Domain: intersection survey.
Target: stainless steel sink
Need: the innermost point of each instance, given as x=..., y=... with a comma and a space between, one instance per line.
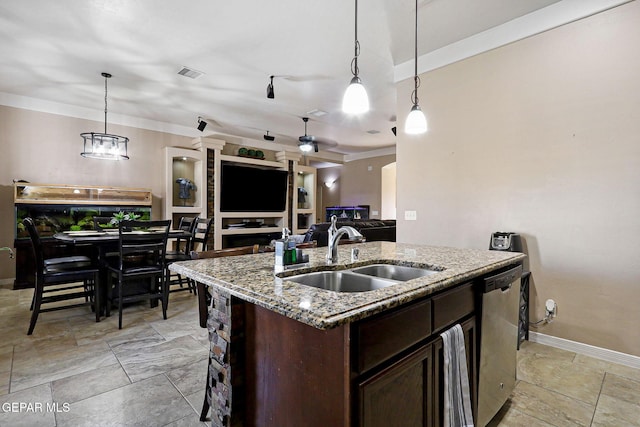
x=341, y=281
x=400, y=273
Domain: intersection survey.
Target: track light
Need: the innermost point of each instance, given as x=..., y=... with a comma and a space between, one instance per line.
x=270, y=93
x=268, y=137
x=201, y=124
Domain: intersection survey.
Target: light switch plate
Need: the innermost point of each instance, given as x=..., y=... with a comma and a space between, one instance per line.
x=410, y=215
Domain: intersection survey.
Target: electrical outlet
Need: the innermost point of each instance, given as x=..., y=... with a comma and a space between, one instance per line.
x=410, y=215
x=551, y=309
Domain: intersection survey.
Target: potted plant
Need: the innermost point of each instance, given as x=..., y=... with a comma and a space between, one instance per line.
x=121, y=216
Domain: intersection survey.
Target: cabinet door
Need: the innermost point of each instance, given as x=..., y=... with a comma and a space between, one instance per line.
x=470, y=343
x=399, y=395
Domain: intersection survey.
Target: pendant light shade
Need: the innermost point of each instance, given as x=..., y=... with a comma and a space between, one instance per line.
x=416, y=122
x=104, y=146
x=355, y=100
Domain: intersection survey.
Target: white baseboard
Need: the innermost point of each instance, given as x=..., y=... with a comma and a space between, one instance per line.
x=586, y=349
x=7, y=283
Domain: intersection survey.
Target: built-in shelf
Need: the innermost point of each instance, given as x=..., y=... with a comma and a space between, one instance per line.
x=251, y=161
x=190, y=165
x=304, y=198
x=231, y=222
x=250, y=230
x=185, y=209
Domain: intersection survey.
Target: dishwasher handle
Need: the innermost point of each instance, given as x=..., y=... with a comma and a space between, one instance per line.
x=501, y=280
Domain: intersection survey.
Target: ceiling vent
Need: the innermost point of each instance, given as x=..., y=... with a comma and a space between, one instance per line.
x=190, y=72
x=316, y=112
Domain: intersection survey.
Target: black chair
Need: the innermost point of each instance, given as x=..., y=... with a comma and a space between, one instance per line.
x=140, y=267
x=78, y=272
x=181, y=253
x=201, y=234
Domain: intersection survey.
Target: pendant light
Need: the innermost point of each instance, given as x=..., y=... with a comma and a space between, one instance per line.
x=416, y=122
x=355, y=100
x=104, y=146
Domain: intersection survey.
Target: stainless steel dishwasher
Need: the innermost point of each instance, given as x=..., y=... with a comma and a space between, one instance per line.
x=498, y=342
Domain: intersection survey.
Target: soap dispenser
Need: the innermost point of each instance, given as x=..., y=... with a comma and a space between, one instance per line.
x=283, y=256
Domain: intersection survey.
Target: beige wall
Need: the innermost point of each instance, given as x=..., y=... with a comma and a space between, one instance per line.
x=327, y=196
x=354, y=184
x=540, y=137
x=45, y=148
x=361, y=186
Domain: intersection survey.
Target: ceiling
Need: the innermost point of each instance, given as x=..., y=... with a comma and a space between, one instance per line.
x=55, y=51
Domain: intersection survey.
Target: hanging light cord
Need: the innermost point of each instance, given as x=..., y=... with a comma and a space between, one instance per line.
x=356, y=51
x=106, y=76
x=416, y=79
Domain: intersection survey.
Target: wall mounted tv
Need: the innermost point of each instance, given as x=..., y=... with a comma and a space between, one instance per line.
x=252, y=189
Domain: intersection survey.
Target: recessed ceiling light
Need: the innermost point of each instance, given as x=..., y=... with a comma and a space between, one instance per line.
x=190, y=72
x=373, y=131
x=316, y=112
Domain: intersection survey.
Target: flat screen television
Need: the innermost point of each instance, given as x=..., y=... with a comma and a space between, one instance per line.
x=252, y=189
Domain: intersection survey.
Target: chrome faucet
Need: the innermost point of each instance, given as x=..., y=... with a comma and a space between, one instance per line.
x=334, y=238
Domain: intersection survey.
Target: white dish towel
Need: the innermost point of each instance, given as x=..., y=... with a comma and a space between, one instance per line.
x=457, y=395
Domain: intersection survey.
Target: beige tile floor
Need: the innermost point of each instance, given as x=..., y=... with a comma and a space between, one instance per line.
x=75, y=372
x=561, y=388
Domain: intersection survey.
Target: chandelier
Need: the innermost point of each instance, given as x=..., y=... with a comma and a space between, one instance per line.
x=104, y=146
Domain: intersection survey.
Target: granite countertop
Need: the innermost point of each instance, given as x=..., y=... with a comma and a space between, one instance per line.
x=251, y=278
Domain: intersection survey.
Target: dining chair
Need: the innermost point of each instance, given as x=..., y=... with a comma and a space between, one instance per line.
x=61, y=279
x=139, y=270
x=181, y=253
x=204, y=300
x=201, y=234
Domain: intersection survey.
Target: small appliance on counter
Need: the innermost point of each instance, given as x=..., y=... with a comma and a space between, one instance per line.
x=505, y=241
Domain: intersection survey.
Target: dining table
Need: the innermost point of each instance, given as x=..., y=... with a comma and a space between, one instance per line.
x=105, y=241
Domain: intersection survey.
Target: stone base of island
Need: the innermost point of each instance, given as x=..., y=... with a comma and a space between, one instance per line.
x=286, y=354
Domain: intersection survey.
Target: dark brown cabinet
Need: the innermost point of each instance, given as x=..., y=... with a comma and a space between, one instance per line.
x=410, y=392
x=400, y=395
x=385, y=370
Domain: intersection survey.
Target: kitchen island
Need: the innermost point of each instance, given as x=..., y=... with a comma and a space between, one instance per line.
x=286, y=354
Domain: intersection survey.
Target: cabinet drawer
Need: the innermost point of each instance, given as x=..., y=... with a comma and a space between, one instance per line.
x=386, y=335
x=451, y=306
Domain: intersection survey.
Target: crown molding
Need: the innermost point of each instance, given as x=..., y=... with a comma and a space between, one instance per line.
x=369, y=154
x=547, y=18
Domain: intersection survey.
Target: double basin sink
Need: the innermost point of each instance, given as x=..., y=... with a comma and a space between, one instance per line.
x=361, y=279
